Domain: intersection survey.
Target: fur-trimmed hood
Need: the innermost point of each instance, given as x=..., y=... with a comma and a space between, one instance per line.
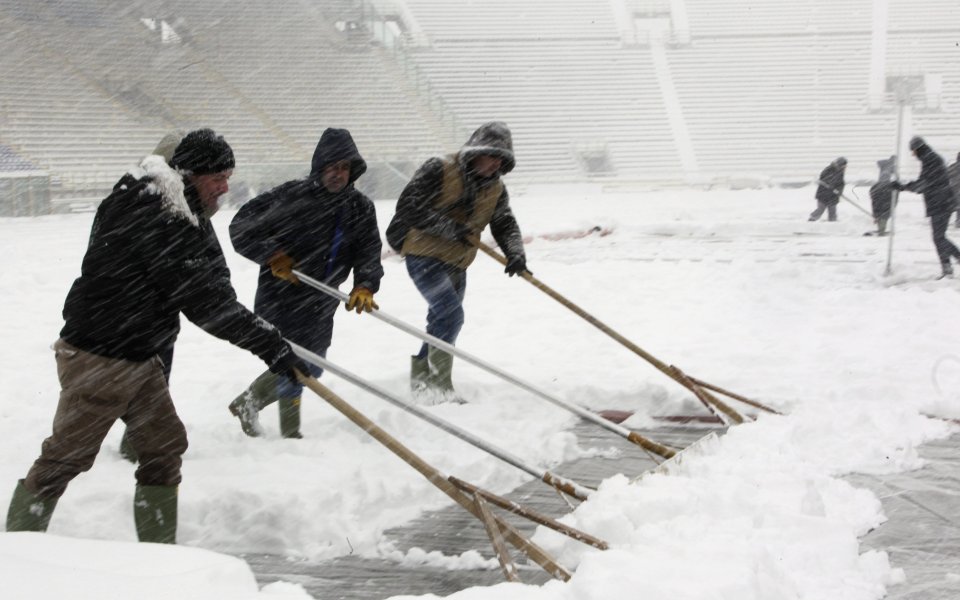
x=166, y=182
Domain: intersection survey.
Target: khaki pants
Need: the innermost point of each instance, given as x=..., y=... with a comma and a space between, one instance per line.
x=95, y=392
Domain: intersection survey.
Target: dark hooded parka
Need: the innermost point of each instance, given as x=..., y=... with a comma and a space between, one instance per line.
x=445, y=196
x=938, y=197
x=831, y=183
x=933, y=181
x=326, y=234
x=881, y=193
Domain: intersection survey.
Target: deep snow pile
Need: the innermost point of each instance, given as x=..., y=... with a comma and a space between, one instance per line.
x=736, y=288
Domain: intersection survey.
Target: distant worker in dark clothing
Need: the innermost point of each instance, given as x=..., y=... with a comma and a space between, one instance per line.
x=152, y=254
x=829, y=189
x=881, y=193
x=324, y=227
x=938, y=198
x=953, y=173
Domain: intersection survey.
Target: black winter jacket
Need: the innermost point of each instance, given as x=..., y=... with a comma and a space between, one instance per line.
x=881, y=199
x=933, y=183
x=415, y=208
x=830, y=185
x=326, y=234
x=151, y=256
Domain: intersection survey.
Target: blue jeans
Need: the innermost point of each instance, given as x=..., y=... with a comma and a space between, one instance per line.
x=443, y=286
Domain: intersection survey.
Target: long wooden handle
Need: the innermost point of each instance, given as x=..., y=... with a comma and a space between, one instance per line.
x=703, y=395
x=534, y=552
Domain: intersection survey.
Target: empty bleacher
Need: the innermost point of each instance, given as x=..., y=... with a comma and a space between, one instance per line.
x=762, y=88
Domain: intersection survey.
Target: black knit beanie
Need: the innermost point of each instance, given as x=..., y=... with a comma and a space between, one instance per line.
x=202, y=152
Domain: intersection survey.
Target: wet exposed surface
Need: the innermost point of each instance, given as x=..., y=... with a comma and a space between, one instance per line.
x=922, y=535
x=454, y=531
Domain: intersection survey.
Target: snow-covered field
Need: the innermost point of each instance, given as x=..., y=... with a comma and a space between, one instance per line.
x=734, y=287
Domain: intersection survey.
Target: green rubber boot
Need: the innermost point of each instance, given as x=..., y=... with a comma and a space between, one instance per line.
x=439, y=378
x=290, y=417
x=247, y=406
x=29, y=512
x=419, y=373
x=155, y=513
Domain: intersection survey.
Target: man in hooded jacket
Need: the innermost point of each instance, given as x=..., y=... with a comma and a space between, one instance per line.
x=829, y=189
x=881, y=193
x=152, y=254
x=938, y=198
x=440, y=213
x=324, y=227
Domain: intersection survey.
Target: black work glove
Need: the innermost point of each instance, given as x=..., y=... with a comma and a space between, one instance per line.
x=285, y=363
x=516, y=266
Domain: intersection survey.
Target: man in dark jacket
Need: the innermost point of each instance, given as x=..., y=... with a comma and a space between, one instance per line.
x=938, y=198
x=441, y=211
x=829, y=188
x=324, y=227
x=152, y=255
x=881, y=194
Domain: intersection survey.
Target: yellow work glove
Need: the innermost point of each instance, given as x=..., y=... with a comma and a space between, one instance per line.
x=361, y=299
x=281, y=265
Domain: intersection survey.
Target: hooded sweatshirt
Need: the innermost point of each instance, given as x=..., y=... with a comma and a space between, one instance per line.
x=446, y=199
x=326, y=234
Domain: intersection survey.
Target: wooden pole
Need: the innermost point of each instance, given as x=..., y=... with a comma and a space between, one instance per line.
x=510, y=533
x=532, y=515
x=558, y=482
x=702, y=394
x=730, y=394
x=503, y=555
x=583, y=413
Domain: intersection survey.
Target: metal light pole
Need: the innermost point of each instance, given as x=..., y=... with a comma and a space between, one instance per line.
x=903, y=88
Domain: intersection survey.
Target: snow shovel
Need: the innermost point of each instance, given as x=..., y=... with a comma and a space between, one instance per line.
x=847, y=198
x=498, y=529
x=719, y=408
x=561, y=484
x=633, y=436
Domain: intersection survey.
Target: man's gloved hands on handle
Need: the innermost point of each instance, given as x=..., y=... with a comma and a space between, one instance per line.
x=286, y=361
x=361, y=300
x=281, y=265
x=516, y=266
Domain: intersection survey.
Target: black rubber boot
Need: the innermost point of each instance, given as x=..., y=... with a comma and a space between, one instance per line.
x=29, y=512
x=247, y=406
x=155, y=513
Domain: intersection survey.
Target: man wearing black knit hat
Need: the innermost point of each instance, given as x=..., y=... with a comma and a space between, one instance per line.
x=324, y=227
x=152, y=255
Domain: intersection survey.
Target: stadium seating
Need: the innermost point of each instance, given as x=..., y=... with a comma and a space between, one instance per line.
x=765, y=90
